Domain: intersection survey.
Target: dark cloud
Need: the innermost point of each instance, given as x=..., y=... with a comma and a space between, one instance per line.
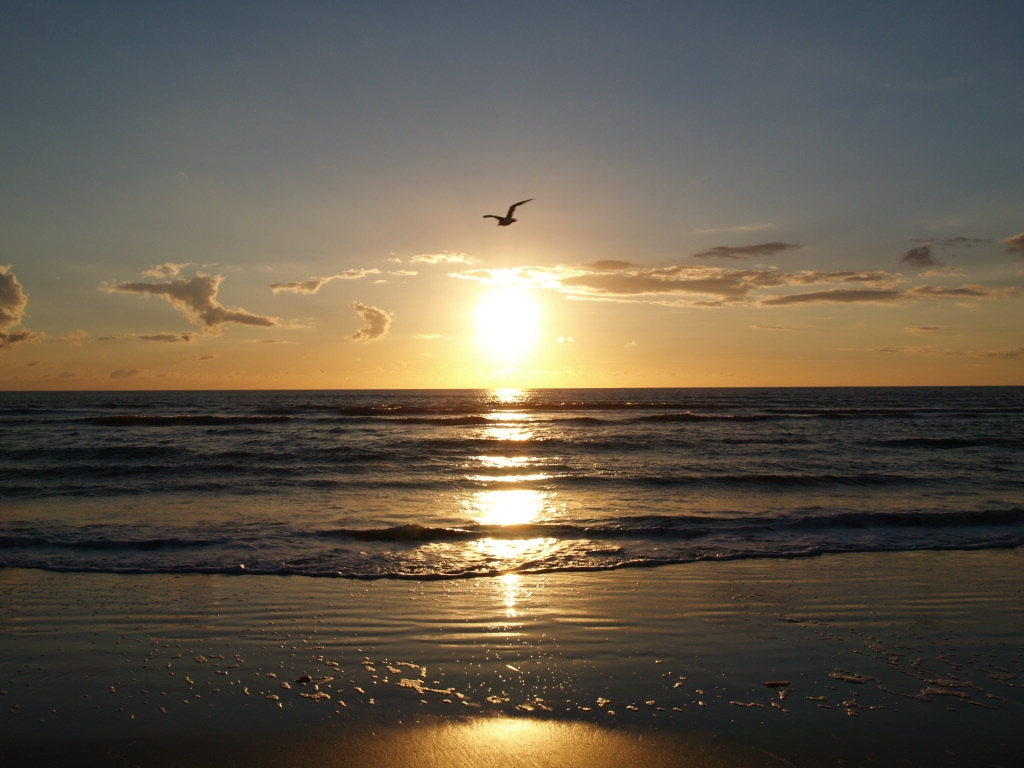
x=125, y=374
x=10, y=339
x=746, y=251
x=314, y=284
x=12, y=310
x=965, y=292
x=889, y=295
x=12, y=299
x=377, y=322
x=967, y=241
x=839, y=295
x=1015, y=244
x=169, y=338
x=921, y=256
x=1002, y=354
x=197, y=298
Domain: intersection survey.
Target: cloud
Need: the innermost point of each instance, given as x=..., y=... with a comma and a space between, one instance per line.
x=921, y=256
x=12, y=299
x=170, y=338
x=837, y=295
x=725, y=285
x=739, y=228
x=167, y=269
x=447, y=257
x=314, y=284
x=1015, y=244
x=10, y=339
x=746, y=251
x=74, y=338
x=125, y=374
x=12, y=310
x=197, y=298
x=207, y=357
x=707, y=286
x=924, y=328
x=812, y=278
x=610, y=265
x=890, y=295
x=1001, y=354
x=949, y=242
x=986, y=354
x=377, y=322
x=964, y=292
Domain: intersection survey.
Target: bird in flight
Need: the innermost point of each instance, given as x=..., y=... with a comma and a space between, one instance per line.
x=504, y=221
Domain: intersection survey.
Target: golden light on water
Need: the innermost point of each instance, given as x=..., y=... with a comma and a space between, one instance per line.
x=510, y=587
x=516, y=506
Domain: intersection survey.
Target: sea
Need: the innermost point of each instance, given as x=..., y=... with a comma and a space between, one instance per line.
x=442, y=484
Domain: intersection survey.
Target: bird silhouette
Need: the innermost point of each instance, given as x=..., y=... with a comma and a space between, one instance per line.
x=504, y=221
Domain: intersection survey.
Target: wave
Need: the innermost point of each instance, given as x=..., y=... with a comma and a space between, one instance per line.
x=197, y=420
x=685, y=526
x=945, y=443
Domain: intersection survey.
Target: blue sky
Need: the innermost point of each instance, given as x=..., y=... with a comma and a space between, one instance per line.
x=784, y=149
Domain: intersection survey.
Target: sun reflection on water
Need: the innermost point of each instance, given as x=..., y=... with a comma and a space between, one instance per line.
x=515, y=506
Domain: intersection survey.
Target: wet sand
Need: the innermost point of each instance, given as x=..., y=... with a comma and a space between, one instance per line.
x=861, y=659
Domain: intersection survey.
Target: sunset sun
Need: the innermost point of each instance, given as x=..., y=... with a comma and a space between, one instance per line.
x=507, y=322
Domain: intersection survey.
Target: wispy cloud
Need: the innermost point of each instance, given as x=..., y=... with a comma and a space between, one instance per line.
x=197, y=298
x=706, y=286
x=889, y=295
x=757, y=227
x=985, y=354
x=167, y=269
x=746, y=251
x=169, y=338
x=924, y=328
x=610, y=265
x=836, y=295
x=314, y=284
x=815, y=278
x=123, y=373
x=75, y=338
x=377, y=322
x=1015, y=244
x=446, y=257
x=920, y=257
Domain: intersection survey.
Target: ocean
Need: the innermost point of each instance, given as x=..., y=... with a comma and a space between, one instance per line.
x=470, y=483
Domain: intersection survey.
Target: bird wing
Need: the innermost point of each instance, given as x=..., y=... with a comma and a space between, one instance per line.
x=491, y=216
x=513, y=207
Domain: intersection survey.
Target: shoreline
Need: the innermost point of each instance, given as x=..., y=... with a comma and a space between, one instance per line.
x=857, y=658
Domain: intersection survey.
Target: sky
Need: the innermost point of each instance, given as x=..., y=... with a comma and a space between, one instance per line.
x=260, y=195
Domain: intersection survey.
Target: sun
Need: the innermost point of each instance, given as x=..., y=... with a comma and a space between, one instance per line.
x=507, y=322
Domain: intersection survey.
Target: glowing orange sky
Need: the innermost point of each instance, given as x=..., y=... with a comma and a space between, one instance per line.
x=727, y=196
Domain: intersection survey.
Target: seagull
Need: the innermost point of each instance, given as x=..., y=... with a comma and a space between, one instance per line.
x=504, y=221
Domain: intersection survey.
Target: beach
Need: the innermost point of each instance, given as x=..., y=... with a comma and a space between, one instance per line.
x=880, y=658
